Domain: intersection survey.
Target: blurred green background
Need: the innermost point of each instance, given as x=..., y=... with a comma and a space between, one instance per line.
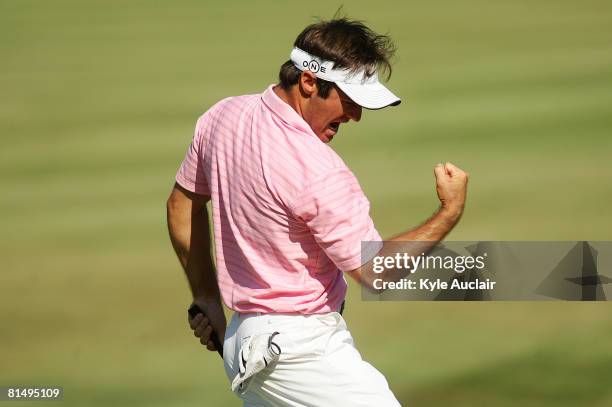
x=98, y=102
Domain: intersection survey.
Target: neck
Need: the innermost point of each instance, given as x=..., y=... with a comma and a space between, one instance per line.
x=291, y=97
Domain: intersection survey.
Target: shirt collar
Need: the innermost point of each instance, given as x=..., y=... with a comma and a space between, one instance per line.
x=285, y=112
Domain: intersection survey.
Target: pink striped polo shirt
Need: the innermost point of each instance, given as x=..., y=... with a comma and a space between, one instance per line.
x=288, y=214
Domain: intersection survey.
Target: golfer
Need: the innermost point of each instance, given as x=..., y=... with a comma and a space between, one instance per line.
x=288, y=220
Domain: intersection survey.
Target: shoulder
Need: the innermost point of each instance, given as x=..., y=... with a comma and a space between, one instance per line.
x=233, y=104
x=318, y=158
x=317, y=167
x=228, y=105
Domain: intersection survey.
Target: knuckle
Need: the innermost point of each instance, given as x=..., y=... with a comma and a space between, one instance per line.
x=194, y=321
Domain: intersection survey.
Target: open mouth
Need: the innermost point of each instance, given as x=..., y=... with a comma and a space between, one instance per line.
x=334, y=126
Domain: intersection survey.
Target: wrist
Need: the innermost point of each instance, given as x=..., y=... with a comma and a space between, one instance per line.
x=207, y=298
x=451, y=213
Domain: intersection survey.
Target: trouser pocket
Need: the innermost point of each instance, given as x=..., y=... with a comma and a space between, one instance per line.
x=257, y=353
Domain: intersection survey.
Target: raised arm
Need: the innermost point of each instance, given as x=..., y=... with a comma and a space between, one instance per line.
x=189, y=231
x=451, y=187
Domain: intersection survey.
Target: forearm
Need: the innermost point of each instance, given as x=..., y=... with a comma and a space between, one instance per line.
x=189, y=231
x=419, y=240
x=433, y=229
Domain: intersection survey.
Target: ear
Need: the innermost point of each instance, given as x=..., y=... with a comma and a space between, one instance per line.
x=308, y=83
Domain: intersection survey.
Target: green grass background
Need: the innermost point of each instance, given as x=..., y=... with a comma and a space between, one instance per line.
x=98, y=101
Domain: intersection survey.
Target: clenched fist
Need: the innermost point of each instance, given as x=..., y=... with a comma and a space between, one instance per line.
x=451, y=186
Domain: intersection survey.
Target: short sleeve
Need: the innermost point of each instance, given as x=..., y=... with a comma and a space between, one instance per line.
x=191, y=174
x=338, y=215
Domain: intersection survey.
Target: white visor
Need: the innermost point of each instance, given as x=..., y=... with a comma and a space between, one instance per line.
x=365, y=91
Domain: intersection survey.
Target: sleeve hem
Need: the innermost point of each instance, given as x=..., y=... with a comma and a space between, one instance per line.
x=183, y=182
x=190, y=186
x=369, y=248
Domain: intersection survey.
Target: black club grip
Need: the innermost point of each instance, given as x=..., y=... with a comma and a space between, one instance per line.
x=195, y=310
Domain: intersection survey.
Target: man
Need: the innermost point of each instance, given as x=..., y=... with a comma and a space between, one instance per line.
x=288, y=219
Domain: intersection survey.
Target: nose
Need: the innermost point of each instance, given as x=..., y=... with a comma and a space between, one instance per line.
x=354, y=112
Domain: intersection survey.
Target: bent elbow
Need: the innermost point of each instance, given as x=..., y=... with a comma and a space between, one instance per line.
x=170, y=203
x=173, y=203
x=372, y=288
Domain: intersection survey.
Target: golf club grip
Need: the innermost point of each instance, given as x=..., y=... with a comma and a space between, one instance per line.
x=195, y=310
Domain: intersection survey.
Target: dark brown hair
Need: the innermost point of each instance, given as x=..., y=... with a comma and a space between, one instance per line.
x=349, y=43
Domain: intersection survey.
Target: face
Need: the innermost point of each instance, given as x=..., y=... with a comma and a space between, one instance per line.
x=326, y=115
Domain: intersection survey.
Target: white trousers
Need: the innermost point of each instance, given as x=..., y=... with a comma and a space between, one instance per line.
x=318, y=366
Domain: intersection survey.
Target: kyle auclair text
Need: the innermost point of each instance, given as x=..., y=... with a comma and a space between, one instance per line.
x=429, y=284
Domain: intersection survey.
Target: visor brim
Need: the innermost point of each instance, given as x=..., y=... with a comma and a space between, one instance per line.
x=370, y=95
